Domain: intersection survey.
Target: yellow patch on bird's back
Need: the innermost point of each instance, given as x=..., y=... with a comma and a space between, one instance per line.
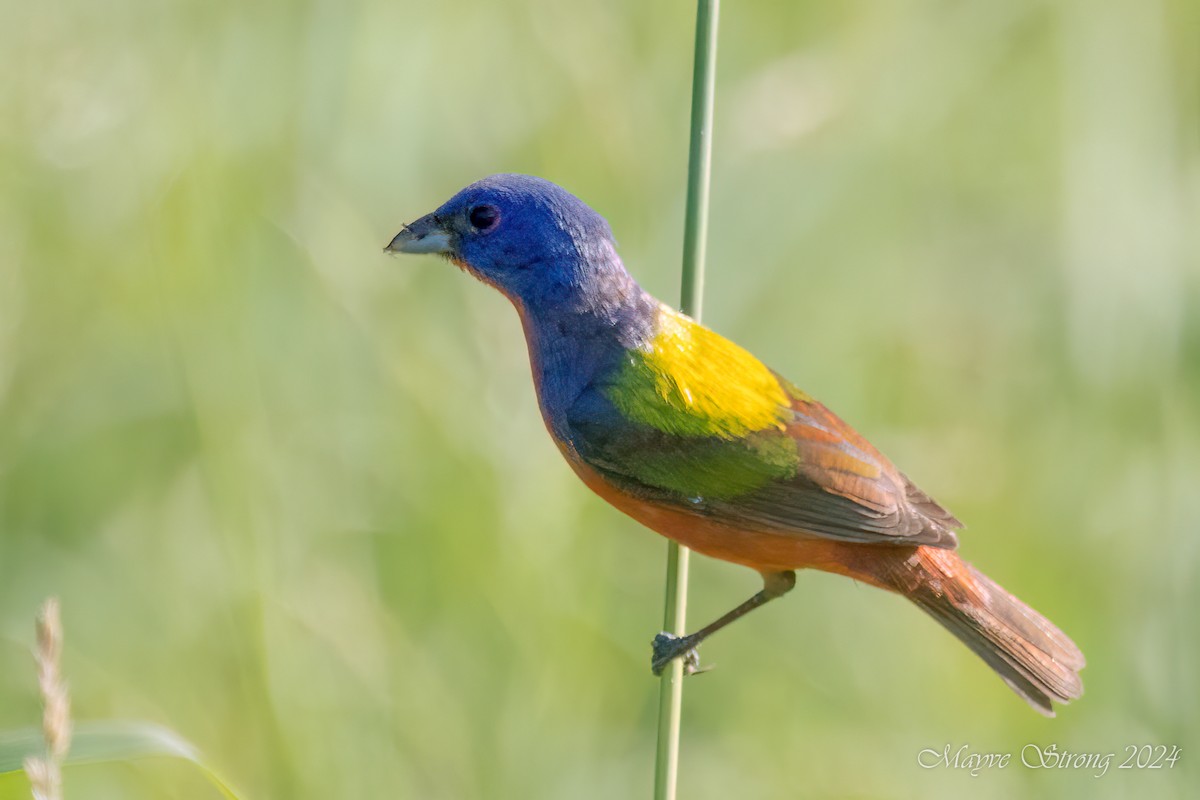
x=690, y=381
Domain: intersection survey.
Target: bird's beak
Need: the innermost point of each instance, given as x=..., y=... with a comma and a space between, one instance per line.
x=426, y=235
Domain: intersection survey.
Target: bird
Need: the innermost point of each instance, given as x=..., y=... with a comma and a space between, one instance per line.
x=692, y=436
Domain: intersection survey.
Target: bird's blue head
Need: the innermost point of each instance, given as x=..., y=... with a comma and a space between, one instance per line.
x=533, y=240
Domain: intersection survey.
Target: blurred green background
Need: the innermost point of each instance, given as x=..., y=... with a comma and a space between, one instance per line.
x=296, y=498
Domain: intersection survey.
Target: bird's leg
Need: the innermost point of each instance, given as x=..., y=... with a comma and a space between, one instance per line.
x=668, y=646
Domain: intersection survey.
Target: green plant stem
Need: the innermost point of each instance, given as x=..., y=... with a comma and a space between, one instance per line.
x=670, y=701
x=695, y=225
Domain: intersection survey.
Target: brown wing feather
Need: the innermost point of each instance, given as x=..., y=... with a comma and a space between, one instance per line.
x=845, y=489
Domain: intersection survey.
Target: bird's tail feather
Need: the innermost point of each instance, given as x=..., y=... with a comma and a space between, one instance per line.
x=1037, y=660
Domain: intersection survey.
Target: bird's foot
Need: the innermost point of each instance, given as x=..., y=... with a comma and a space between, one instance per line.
x=668, y=647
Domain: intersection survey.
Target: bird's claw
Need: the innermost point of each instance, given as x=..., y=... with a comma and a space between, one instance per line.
x=668, y=647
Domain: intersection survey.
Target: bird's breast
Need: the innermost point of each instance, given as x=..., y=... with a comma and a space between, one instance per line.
x=567, y=359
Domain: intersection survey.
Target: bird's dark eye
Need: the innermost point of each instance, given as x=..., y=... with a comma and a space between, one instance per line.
x=484, y=218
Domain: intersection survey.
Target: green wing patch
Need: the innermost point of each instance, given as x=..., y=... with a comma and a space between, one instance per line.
x=715, y=469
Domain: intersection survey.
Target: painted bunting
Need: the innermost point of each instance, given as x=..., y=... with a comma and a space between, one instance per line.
x=695, y=438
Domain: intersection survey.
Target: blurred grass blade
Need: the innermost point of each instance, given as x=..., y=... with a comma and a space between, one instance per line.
x=95, y=742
